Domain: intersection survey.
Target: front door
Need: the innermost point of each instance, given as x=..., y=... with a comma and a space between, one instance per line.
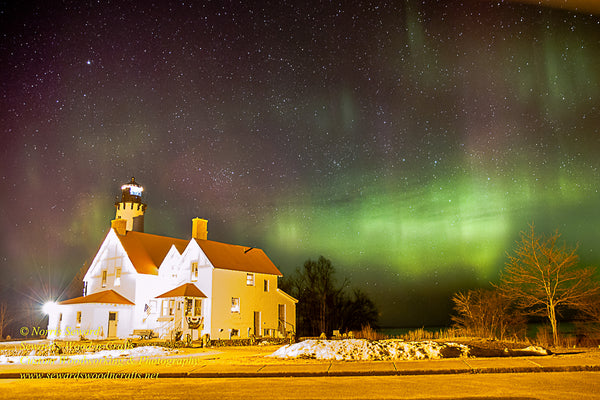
x=281, y=324
x=257, y=332
x=178, y=314
x=112, y=324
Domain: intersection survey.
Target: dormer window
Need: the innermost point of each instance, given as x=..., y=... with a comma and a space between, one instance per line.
x=249, y=279
x=117, y=276
x=104, y=274
x=194, y=271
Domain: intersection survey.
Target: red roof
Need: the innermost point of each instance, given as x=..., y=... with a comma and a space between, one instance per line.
x=185, y=290
x=237, y=258
x=147, y=251
x=106, y=297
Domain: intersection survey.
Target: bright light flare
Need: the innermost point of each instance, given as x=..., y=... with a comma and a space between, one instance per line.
x=49, y=307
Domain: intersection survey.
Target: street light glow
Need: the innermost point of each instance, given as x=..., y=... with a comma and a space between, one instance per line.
x=48, y=307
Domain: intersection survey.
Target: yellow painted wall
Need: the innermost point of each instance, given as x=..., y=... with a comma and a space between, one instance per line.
x=228, y=284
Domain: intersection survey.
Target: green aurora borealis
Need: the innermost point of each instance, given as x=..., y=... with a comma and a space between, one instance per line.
x=408, y=142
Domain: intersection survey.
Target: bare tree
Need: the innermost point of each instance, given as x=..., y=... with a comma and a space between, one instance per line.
x=5, y=318
x=485, y=313
x=592, y=309
x=542, y=277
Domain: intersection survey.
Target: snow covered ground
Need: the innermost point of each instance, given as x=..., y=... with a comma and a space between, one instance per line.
x=394, y=349
x=347, y=349
x=144, y=351
x=361, y=349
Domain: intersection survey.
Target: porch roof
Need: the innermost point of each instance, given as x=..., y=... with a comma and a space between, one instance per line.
x=106, y=297
x=185, y=290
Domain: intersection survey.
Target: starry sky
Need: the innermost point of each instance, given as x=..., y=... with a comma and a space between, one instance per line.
x=407, y=141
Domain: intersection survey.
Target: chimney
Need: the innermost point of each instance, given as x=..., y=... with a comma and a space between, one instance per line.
x=199, y=228
x=119, y=225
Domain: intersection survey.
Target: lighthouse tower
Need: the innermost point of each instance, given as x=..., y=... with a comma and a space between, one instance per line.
x=130, y=208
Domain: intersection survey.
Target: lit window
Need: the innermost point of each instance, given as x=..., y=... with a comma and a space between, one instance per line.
x=235, y=304
x=266, y=285
x=78, y=319
x=197, y=307
x=104, y=278
x=194, y=271
x=117, y=276
x=250, y=279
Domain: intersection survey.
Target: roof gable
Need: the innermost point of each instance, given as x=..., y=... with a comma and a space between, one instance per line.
x=237, y=258
x=147, y=251
x=106, y=297
x=185, y=290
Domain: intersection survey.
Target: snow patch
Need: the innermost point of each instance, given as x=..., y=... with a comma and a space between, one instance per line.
x=362, y=349
x=536, y=350
x=142, y=351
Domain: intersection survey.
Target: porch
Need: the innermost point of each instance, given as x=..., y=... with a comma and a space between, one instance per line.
x=180, y=313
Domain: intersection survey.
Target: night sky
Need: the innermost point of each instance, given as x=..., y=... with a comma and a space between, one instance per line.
x=408, y=142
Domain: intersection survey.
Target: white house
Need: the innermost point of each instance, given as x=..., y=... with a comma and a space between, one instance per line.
x=142, y=282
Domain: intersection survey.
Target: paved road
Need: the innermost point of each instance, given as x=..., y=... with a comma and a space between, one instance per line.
x=552, y=385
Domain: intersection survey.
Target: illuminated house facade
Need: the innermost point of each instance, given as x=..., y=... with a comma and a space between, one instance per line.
x=139, y=283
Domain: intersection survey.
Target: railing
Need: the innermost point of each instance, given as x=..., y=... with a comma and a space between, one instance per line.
x=282, y=327
x=165, y=330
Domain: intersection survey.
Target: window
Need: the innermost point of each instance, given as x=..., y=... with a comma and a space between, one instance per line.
x=266, y=285
x=84, y=288
x=235, y=304
x=249, y=279
x=194, y=271
x=118, y=276
x=58, y=324
x=197, y=307
x=188, y=306
x=78, y=319
x=104, y=278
